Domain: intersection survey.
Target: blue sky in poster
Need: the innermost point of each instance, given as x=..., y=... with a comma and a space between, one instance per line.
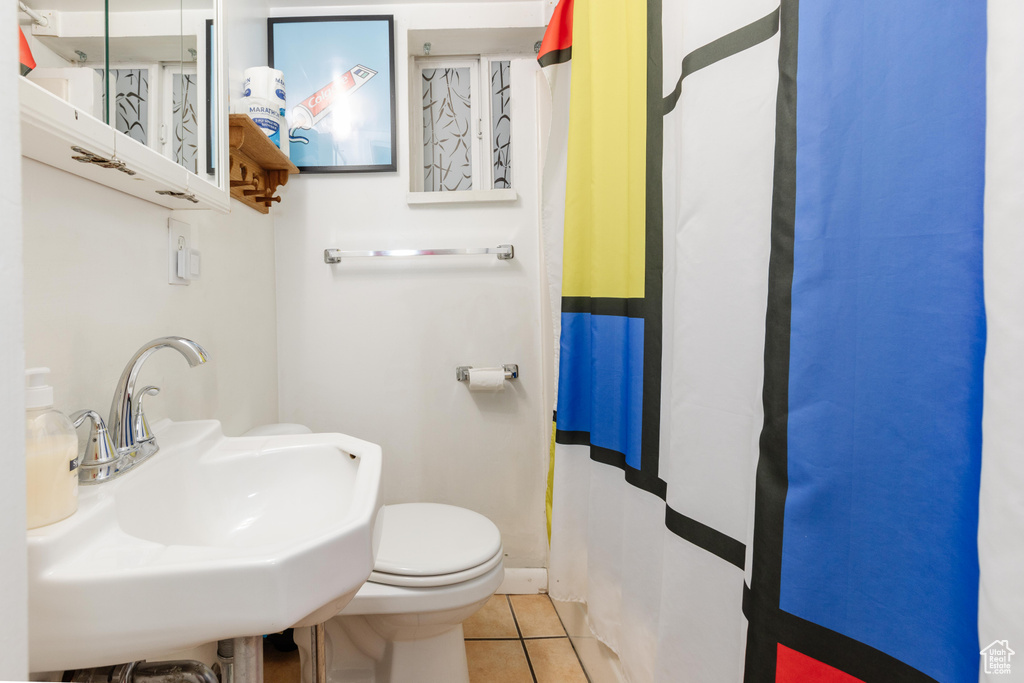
x=312, y=54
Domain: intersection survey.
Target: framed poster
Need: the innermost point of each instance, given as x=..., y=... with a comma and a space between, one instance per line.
x=339, y=75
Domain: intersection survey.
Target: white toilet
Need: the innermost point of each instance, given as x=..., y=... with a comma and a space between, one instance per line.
x=436, y=566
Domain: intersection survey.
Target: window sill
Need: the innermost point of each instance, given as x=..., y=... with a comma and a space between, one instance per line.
x=465, y=197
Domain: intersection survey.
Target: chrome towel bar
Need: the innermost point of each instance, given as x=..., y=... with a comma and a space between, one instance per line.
x=504, y=252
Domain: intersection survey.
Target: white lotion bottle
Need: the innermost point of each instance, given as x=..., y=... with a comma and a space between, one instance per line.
x=51, y=452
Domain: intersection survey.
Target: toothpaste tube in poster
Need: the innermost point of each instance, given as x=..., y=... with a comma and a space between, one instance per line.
x=314, y=108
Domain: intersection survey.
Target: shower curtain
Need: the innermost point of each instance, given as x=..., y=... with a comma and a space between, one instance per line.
x=788, y=239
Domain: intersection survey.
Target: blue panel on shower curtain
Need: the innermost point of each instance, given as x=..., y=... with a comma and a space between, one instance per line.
x=888, y=328
x=600, y=381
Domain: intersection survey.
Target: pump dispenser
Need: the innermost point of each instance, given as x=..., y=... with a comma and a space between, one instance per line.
x=51, y=451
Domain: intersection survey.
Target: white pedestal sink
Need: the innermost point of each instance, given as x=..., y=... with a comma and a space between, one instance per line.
x=211, y=538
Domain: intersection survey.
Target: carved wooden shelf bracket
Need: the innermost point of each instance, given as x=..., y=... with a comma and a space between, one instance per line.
x=258, y=167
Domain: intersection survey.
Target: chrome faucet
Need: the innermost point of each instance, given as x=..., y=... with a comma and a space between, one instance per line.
x=126, y=439
x=130, y=439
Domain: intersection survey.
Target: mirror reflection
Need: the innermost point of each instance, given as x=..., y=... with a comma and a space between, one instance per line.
x=143, y=66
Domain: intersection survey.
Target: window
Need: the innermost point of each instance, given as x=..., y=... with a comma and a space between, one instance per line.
x=130, y=114
x=462, y=139
x=181, y=131
x=129, y=110
x=137, y=91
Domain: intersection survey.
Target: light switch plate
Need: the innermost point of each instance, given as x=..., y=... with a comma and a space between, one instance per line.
x=179, y=238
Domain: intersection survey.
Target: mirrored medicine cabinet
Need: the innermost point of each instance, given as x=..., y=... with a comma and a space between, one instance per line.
x=129, y=94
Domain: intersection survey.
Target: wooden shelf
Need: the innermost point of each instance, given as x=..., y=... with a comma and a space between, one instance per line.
x=258, y=167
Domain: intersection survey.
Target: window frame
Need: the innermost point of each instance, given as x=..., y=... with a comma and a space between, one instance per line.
x=481, y=113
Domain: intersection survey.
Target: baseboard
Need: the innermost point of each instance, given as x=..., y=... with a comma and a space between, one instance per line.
x=524, y=581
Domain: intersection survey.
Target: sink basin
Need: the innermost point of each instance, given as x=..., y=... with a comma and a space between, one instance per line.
x=212, y=538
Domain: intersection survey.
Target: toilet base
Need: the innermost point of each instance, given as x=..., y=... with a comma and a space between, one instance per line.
x=440, y=659
x=356, y=654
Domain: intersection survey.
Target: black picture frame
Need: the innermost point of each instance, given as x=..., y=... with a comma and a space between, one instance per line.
x=324, y=59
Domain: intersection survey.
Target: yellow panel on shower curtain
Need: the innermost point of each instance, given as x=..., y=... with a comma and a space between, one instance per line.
x=605, y=189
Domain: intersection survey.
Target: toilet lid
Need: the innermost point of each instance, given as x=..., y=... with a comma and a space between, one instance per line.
x=430, y=539
x=435, y=580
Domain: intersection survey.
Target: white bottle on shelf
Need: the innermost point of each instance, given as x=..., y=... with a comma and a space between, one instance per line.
x=51, y=452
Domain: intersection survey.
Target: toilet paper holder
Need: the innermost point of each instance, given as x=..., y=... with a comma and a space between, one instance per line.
x=462, y=372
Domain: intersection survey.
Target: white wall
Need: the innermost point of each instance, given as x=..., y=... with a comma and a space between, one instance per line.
x=246, y=30
x=370, y=348
x=13, y=601
x=96, y=290
x=549, y=9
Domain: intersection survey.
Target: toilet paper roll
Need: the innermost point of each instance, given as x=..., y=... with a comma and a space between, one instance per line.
x=486, y=379
x=266, y=84
x=262, y=113
x=265, y=115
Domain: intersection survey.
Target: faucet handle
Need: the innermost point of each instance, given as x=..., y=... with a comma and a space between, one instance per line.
x=99, y=459
x=143, y=434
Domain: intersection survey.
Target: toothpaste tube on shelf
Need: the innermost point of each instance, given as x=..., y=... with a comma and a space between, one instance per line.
x=314, y=108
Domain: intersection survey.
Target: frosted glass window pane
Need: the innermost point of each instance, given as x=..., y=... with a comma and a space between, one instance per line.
x=131, y=95
x=447, y=122
x=501, y=125
x=186, y=121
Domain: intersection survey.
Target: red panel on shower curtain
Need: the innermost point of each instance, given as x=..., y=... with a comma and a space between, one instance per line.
x=25, y=54
x=556, y=47
x=794, y=667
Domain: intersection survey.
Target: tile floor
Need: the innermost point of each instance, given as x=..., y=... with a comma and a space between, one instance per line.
x=512, y=639
x=520, y=639
x=599, y=661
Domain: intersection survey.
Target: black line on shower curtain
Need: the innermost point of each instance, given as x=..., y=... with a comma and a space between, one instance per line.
x=772, y=481
x=833, y=648
x=628, y=308
x=728, y=45
x=687, y=528
x=701, y=535
x=650, y=434
x=556, y=57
